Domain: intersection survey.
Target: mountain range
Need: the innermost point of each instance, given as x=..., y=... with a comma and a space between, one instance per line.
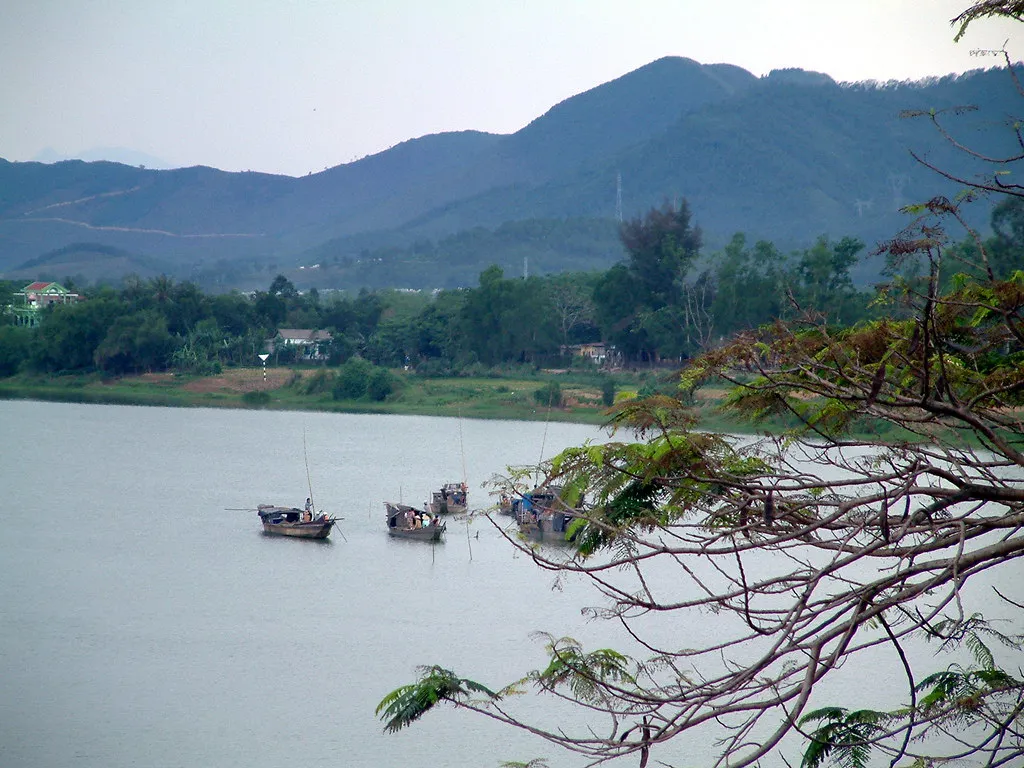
x=786, y=157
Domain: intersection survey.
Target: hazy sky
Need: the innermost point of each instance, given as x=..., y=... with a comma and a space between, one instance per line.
x=293, y=87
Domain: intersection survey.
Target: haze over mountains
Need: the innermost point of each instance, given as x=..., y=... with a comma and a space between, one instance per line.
x=787, y=157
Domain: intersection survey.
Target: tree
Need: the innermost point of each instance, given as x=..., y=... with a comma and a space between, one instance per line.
x=859, y=529
x=661, y=246
x=572, y=303
x=15, y=347
x=812, y=548
x=642, y=302
x=1011, y=9
x=70, y=333
x=139, y=341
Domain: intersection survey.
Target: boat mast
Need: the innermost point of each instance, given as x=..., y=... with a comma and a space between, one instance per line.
x=309, y=483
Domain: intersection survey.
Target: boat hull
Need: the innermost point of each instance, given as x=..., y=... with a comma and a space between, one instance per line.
x=447, y=508
x=450, y=500
x=430, y=533
x=287, y=521
x=314, y=530
x=400, y=520
x=543, y=532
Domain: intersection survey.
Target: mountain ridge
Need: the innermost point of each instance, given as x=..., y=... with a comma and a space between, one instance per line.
x=787, y=157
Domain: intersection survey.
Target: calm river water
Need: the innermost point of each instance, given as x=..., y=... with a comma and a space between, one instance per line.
x=143, y=622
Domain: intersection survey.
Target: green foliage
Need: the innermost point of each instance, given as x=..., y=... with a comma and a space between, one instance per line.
x=70, y=334
x=353, y=378
x=139, y=341
x=607, y=391
x=843, y=736
x=407, y=704
x=15, y=348
x=321, y=382
x=582, y=673
x=379, y=384
x=639, y=304
x=954, y=698
x=549, y=395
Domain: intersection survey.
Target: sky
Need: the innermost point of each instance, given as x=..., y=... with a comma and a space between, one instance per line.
x=293, y=88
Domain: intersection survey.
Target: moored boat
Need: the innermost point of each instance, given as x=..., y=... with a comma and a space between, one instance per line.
x=451, y=499
x=542, y=515
x=291, y=521
x=407, y=522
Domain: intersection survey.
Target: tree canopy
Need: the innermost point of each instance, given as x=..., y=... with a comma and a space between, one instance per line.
x=858, y=529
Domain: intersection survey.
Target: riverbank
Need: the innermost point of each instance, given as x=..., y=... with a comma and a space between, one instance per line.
x=283, y=389
x=475, y=398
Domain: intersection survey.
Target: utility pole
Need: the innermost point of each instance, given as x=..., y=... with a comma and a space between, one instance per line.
x=618, y=197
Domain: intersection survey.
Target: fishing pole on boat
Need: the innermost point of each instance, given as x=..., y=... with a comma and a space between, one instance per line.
x=305, y=457
x=465, y=485
x=543, y=442
x=338, y=527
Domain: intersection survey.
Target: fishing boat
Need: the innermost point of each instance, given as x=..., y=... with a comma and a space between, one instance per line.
x=542, y=515
x=449, y=500
x=405, y=522
x=290, y=521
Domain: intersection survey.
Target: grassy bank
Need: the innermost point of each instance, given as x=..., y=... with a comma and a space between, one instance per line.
x=510, y=398
x=485, y=398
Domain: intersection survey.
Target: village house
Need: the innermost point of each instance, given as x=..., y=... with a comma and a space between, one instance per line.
x=597, y=352
x=28, y=304
x=314, y=345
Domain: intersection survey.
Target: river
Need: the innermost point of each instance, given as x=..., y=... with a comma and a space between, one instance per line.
x=147, y=621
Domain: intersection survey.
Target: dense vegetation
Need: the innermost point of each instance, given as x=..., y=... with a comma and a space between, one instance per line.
x=665, y=302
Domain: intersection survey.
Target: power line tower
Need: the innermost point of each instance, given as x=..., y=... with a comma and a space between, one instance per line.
x=618, y=197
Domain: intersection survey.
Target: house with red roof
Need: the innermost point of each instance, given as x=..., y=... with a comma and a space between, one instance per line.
x=28, y=304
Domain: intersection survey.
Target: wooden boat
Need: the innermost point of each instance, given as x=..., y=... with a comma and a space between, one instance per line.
x=290, y=521
x=542, y=515
x=405, y=522
x=449, y=500
x=507, y=505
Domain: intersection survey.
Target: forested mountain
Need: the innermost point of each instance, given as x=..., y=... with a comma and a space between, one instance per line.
x=786, y=157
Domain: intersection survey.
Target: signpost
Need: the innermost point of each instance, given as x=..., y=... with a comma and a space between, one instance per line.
x=264, y=359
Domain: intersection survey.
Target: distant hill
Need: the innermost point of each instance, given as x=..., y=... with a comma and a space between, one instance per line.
x=786, y=157
x=91, y=262
x=111, y=154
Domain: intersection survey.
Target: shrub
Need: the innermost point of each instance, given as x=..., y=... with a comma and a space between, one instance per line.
x=549, y=395
x=380, y=384
x=353, y=378
x=319, y=383
x=433, y=368
x=608, y=392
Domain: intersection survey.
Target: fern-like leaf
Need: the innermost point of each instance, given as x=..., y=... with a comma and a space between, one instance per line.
x=407, y=704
